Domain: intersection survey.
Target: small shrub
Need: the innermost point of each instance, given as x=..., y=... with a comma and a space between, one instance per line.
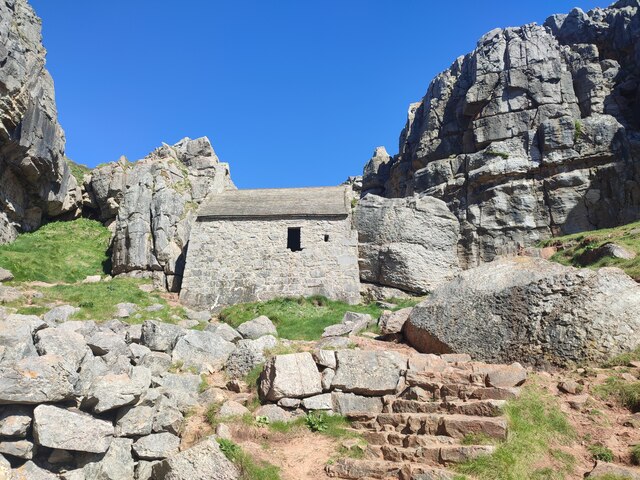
x=626, y=393
x=252, y=377
x=316, y=422
x=600, y=452
x=262, y=421
x=212, y=414
x=496, y=153
x=577, y=134
x=635, y=454
x=231, y=450
x=204, y=385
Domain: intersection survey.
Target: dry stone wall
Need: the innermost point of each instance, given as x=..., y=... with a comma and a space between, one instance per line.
x=234, y=261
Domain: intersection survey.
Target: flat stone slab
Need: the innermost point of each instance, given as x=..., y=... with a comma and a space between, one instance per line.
x=55, y=427
x=203, y=461
x=368, y=372
x=157, y=446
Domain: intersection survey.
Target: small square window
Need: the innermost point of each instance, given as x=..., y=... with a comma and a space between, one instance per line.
x=326, y=238
x=293, y=239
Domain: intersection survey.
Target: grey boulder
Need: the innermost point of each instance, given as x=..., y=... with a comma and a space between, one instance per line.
x=55, y=427
x=159, y=336
x=35, y=380
x=156, y=446
x=290, y=376
x=368, y=372
x=205, y=351
x=258, y=327
x=204, y=461
x=531, y=311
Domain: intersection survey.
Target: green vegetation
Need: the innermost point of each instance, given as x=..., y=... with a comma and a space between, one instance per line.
x=77, y=170
x=58, y=252
x=97, y=301
x=624, y=359
x=578, y=132
x=625, y=392
x=316, y=422
x=600, y=452
x=248, y=467
x=536, y=425
x=609, y=476
x=496, y=153
x=477, y=439
x=252, y=377
x=635, y=454
x=573, y=248
x=211, y=414
x=298, y=318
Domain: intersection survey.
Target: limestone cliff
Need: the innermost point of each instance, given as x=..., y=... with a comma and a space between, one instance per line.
x=151, y=205
x=35, y=181
x=534, y=133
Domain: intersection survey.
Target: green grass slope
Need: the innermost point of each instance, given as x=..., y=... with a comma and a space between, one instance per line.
x=572, y=248
x=301, y=318
x=58, y=252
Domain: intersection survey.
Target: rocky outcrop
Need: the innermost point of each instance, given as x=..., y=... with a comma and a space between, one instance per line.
x=409, y=244
x=531, y=311
x=532, y=134
x=152, y=205
x=35, y=180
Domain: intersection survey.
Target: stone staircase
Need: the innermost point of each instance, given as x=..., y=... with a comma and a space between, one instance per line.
x=443, y=416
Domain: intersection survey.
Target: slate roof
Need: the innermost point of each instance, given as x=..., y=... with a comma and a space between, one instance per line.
x=277, y=203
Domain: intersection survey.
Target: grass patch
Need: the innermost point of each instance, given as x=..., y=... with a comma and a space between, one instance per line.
x=77, y=170
x=536, y=423
x=624, y=359
x=625, y=392
x=635, y=454
x=211, y=414
x=248, y=467
x=573, y=248
x=58, y=252
x=296, y=318
x=97, y=301
x=600, y=452
x=578, y=131
x=497, y=153
x=334, y=426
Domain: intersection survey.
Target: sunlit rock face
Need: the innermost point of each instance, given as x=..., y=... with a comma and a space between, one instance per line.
x=35, y=181
x=534, y=133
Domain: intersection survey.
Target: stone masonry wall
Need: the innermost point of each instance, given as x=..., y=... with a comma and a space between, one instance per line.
x=232, y=261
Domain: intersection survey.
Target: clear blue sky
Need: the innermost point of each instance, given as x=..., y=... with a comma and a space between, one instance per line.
x=290, y=92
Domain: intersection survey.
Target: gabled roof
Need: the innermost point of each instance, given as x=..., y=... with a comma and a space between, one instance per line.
x=277, y=202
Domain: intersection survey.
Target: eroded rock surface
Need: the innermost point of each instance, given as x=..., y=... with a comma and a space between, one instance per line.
x=532, y=134
x=153, y=203
x=35, y=179
x=531, y=311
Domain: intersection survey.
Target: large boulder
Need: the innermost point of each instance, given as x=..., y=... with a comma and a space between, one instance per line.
x=205, y=351
x=55, y=427
x=34, y=380
x=290, y=376
x=35, y=179
x=531, y=311
x=368, y=372
x=532, y=133
x=204, y=461
x=407, y=243
x=154, y=203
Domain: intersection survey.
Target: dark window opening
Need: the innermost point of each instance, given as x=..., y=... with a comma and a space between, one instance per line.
x=326, y=238
x=293, y=239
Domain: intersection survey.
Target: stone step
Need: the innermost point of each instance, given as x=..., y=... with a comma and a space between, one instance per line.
x=478, y=408
x=451, y=425
x=433, y=455
x=406, y=440
x=352, y=469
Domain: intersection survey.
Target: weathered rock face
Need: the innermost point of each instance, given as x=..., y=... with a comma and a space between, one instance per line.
x=154, y=203
x=35, y=180
x=407, y=243
x=531, y=311
x=533, y=133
